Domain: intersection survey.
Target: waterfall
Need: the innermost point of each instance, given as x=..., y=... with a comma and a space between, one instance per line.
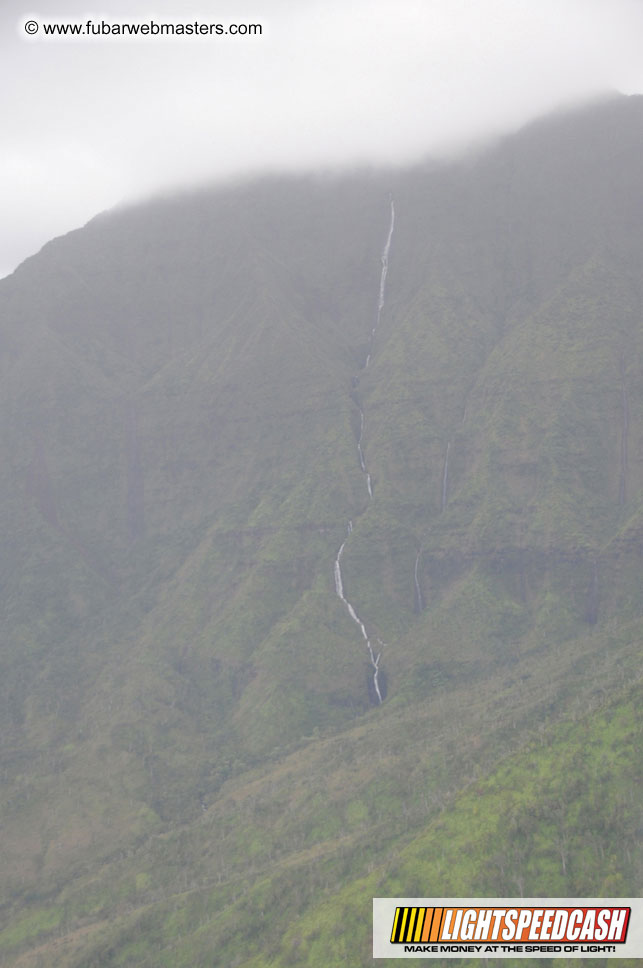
x=369, y=356
x=337, y=569
x=375, y=662
x=385, y=253
x=383, y=274
x=339, y=588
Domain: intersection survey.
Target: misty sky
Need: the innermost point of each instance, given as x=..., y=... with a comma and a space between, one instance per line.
x=87, y=123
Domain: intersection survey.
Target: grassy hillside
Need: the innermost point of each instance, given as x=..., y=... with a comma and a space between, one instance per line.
x=195, y=766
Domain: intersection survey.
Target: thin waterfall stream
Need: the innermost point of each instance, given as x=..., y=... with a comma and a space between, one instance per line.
x=337, y=570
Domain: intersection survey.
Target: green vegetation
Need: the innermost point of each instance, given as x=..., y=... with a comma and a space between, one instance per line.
x=192, y=769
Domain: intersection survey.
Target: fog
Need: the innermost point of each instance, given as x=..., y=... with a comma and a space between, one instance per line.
x=90, y=121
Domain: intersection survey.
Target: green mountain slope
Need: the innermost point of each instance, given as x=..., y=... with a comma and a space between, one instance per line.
x=196, y=767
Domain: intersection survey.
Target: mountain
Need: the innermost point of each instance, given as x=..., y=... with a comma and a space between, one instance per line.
x=322, y=511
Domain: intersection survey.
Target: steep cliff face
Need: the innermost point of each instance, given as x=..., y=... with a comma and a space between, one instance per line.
x=201, y=395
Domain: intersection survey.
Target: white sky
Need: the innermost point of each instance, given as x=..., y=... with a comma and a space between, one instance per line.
x=89, y=122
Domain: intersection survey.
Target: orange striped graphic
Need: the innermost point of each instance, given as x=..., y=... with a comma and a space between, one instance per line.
x=416, y=925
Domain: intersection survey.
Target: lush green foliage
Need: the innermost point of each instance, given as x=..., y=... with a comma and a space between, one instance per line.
x=193, y=769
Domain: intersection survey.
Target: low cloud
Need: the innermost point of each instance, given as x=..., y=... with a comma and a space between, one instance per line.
x=94, y=121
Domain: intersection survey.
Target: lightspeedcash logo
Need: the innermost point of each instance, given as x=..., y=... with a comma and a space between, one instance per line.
x=413, y=927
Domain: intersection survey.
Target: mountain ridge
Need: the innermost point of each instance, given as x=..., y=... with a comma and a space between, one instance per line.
x=182, y=384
